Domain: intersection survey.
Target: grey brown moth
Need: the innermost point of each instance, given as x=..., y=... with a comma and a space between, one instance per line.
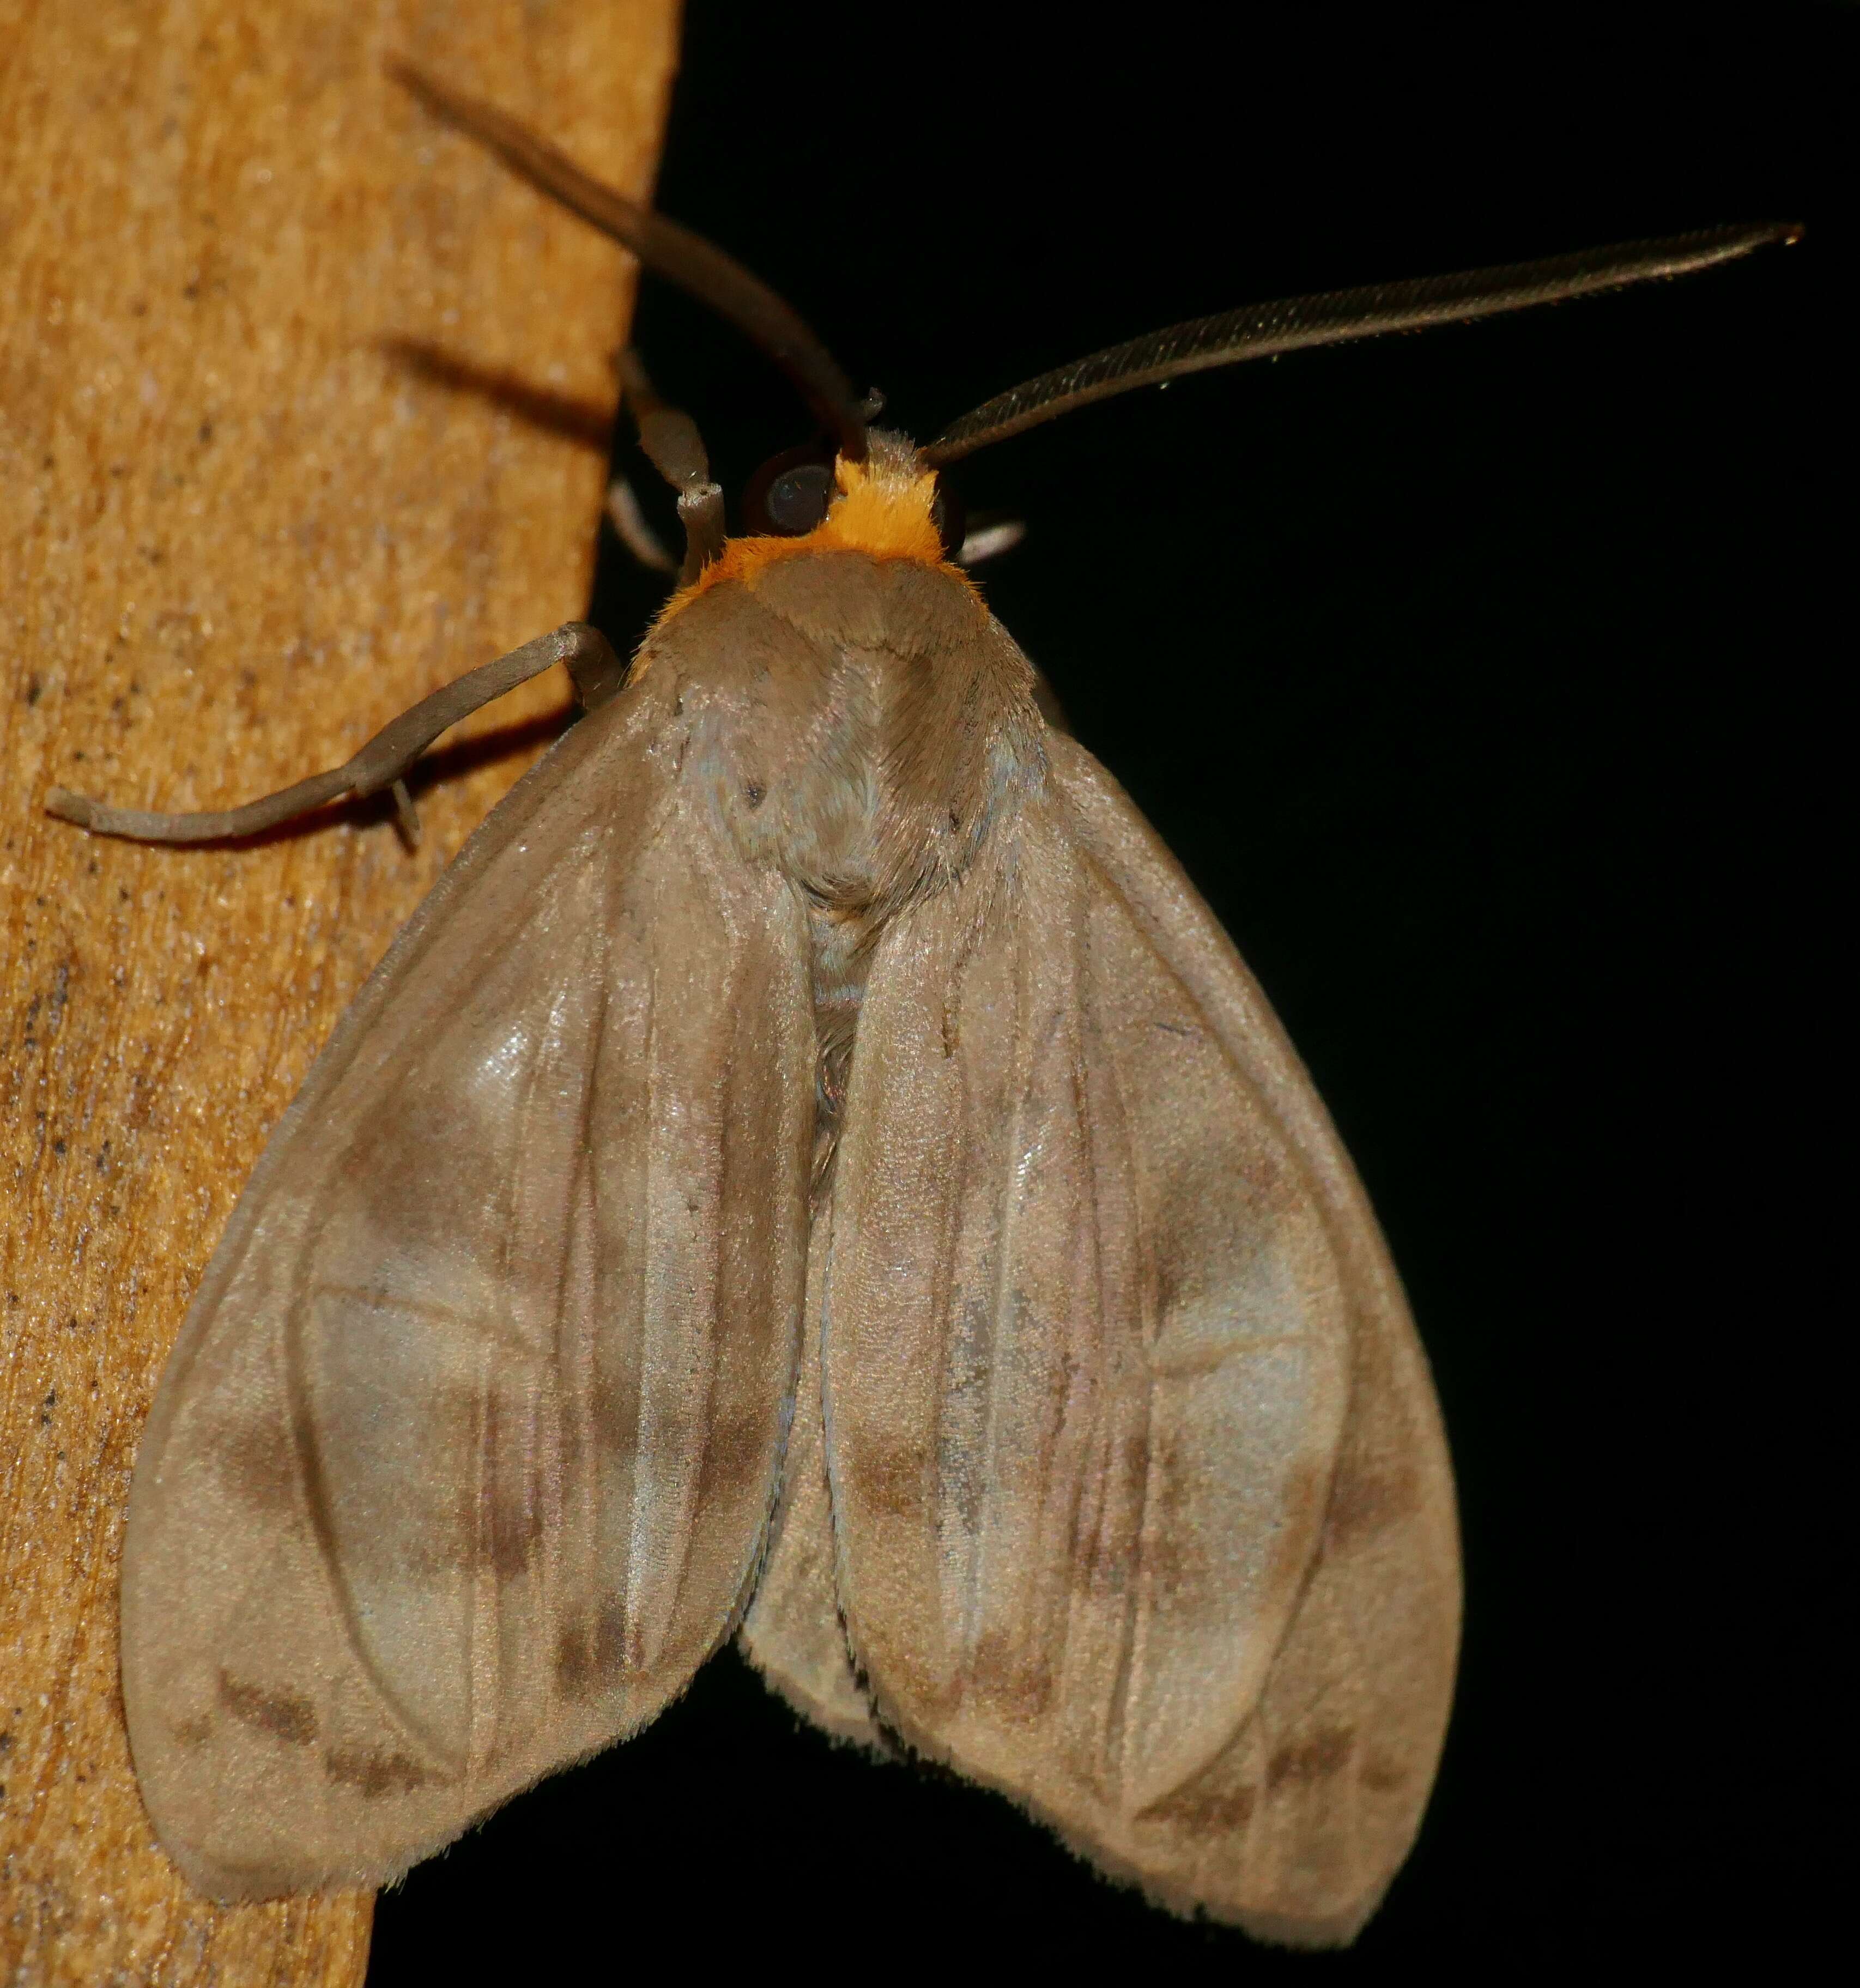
x=813, y=1171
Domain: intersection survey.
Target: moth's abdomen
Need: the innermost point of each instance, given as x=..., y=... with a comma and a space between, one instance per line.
x=841, y=949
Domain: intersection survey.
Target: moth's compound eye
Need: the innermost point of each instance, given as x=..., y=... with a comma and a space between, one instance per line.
x=797, y=498
x=790, y=494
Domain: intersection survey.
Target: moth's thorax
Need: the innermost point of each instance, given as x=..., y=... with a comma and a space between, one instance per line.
x=858, y=720
x=860, y=716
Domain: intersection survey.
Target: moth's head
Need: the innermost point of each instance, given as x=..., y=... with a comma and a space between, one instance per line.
x=888, y=504
x=890, y=497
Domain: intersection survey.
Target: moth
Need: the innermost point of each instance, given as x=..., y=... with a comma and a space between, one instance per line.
x=813, y=1171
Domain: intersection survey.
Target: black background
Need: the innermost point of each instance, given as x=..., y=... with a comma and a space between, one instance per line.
x=1482, y=681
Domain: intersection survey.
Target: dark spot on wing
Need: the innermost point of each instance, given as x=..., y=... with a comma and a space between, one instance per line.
x=259, y=1462
x=1382, y=1776
x=1206, y=1809
x=911, y=1680
x=613, y=1412
x=516, y=1529
x=193, y=1732
x=373, y=1774
x=514, y=1519
x=1311, y=1757
x=282, y=1713
x=1010, y=1678
x=610, y=1652
x=889, y=1477
x=739, y=1457
x=574, y=1664
x=1165, y=1295
x=1364, y=1502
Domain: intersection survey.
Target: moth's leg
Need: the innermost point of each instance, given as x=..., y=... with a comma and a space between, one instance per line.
x=387, y=758
x=407, y=816
x=701, y=513
x=671, y=439
x=988, y=537
x=629, y=526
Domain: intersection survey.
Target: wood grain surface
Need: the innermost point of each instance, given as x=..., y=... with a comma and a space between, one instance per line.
x=303, y=412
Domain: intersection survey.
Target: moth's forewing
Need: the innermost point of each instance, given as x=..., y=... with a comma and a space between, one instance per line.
x=1140, y=1507
x=1296, y=1827
x=464, y=1459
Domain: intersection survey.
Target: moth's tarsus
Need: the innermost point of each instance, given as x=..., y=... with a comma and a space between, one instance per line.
x=628, y=518
x=67, y=807
x=386, y=759
x=142, y=825
x=407, y=816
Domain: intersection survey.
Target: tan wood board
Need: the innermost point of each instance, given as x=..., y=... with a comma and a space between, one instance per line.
x=303, y=407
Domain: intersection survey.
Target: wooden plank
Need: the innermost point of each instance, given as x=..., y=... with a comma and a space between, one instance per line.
x=303, y=408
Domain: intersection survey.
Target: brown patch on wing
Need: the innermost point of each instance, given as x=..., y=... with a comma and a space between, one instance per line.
x=1205, y=1810
x=738, y=1456
x=516, y=1532
x=612, y=1414
x=1383, y=1775
x=611, y=1654
x=512, y=1518
x=373, y=1774
x=1312, y=1757
x=258, y=1464
x=889, y=1477
x=1364, y=1502
x=673, y=1432
x=574, y=1665
x=1010, y=1678
x=1175, y=1554
x=281, y=1713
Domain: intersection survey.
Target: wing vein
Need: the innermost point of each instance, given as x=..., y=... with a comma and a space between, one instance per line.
x=1124, y=1671
x=1007, y=1201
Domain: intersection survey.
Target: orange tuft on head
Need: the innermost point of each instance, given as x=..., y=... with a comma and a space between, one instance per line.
x=883, y=510
x=880, y=512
